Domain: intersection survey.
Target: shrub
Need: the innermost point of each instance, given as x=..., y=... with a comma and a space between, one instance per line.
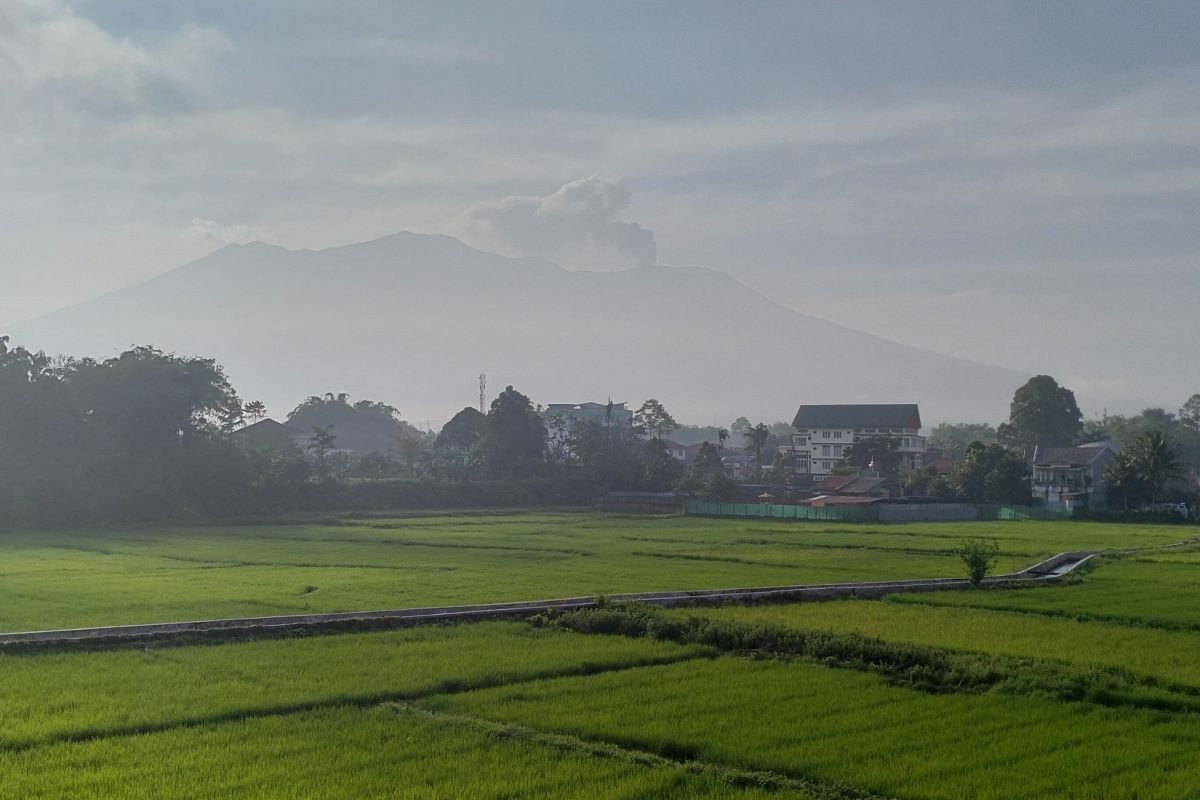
x=979, y=556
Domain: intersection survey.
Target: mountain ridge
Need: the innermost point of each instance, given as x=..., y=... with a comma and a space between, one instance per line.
x=411, y=319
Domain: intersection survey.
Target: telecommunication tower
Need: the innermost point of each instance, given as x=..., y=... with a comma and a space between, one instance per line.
x=482, y=388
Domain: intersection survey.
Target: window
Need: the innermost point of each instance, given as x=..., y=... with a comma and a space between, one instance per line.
x=837, y=434
x=824, y=465
x=825, y=434
x=824, y=449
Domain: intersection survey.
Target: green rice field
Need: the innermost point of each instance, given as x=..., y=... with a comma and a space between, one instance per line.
x=145, y=574
x=522, y=710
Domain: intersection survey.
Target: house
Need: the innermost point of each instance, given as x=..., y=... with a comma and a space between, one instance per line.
x=1072, y=477
x=737, y=464
x=856, y=486
x=268, y=434
x=680, y=452
x=619, y=418
x=825, y=432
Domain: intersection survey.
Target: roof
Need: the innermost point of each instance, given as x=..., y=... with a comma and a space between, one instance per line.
x=896, y=415
x=850, y=484
x=835, y=500
x=557, y=407
x=1072, y=456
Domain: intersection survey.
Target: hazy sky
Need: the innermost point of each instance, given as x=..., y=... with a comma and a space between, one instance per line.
x=1017, y=183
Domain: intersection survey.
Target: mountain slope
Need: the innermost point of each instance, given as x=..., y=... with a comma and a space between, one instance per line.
x=412, y=319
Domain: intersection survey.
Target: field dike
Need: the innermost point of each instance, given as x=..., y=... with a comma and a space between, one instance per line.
x=1049, y=571
x=920, y=667
x=758, y=779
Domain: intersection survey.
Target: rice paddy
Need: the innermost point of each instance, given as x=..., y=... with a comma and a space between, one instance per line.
x=513, y=710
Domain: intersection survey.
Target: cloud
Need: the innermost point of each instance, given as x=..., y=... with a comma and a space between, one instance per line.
x=53, y=58
x=211, y=231
x=579, y=216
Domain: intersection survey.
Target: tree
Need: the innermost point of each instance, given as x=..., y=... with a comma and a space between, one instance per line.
x=514, y=440
x=255, y=410
x=991, y=473
x=659, y=471
x=954, y=438
x=722, y=436
x=1123, y=477
x=706, y=477
x=1042, y=413
x=363, y=426
x=653, y=419
x=320, y=443
x=1189, y=414
x=979, y=556
x=463, y=431
x=1156, y=462
x=883, y=450
x=756, y=437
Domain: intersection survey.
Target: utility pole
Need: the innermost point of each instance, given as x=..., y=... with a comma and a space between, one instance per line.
x=482, y=389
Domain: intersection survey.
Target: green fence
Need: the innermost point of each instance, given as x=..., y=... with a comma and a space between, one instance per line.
x=871, y=513
x=1024, y=512
x=704, y=508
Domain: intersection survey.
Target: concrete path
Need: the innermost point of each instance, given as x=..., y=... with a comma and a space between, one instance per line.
x=1048, y=571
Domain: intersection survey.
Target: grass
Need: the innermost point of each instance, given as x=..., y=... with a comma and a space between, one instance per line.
x=147, y=574
x=508, y=710
x=1142, y=592
x=1162, y=656
x=68, y=696
x=343, y=753
x=843, y=727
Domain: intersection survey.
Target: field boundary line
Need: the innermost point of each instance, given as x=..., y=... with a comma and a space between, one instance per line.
x=600, y=747
x=370, y=700
x=1048, y=571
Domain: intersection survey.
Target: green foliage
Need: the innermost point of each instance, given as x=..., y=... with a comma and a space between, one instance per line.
x=756, y=437
x=653, y=420
x=991, y=474
x=706, y=477
x=462, y=432
x=1042, y=413
x=954, y=438
x=1142, y=470
x=979, y=557
x=513, y=444
x=883, y=450
x=140, y=435
x=364, y=426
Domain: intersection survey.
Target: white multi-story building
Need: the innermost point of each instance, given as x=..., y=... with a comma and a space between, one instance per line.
x=825, y=432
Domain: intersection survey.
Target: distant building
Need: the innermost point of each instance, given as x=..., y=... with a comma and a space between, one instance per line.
x=825, y=432
x=682, y=453
x=1072, y=477
x=620, y=418
x=268, y=434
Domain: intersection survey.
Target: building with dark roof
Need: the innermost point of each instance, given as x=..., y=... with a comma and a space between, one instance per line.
x=1072, y=477
x=825, y=432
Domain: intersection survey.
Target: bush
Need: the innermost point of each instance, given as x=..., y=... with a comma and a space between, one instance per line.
x=979, y=556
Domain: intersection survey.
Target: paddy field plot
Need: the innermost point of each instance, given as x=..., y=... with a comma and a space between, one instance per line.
x=110, y=576
x=518, y=710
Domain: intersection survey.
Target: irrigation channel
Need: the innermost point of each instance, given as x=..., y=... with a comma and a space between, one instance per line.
x=1049, y=571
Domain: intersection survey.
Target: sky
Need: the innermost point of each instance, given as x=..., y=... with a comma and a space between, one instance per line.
x=1016, y=183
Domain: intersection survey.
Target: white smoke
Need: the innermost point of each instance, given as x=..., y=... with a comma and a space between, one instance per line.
x=580, y=216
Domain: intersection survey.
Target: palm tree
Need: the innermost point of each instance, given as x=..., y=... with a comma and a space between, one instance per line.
x=722, y=435
x=255, y=410
x=756, y=438
x=1157, y=461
